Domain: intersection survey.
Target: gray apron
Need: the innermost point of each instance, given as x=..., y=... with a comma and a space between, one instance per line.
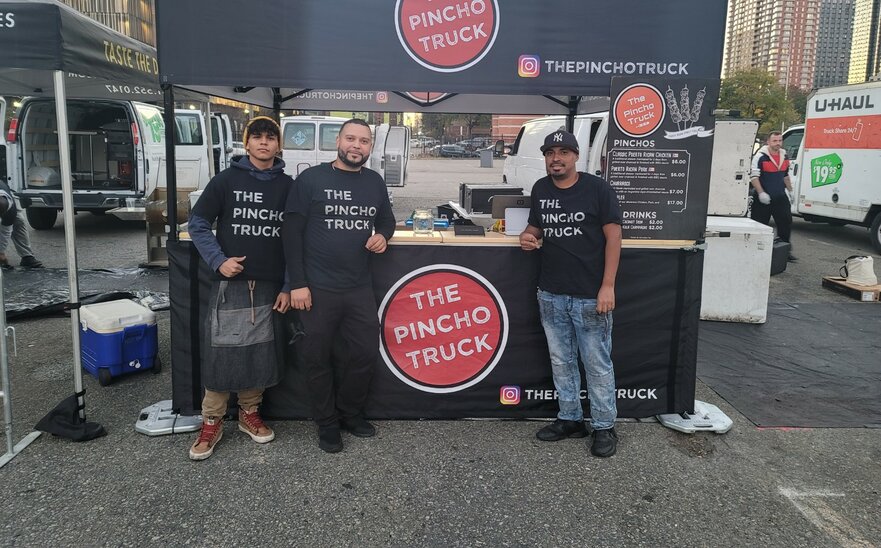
x=243, y=338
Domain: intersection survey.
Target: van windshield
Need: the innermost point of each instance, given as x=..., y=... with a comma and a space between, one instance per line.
x=792, y=142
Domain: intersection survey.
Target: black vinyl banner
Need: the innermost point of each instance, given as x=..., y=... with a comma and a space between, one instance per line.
x=660, y=152
x=552, y=47
x=461, y=335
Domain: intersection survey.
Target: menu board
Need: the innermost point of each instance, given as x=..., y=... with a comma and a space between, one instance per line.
x=660, y=150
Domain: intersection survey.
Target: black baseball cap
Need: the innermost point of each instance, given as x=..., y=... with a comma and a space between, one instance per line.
x=560, y=138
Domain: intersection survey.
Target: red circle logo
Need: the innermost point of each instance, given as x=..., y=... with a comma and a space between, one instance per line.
x=443, y=328
x=639, y=110
x=447, y=35
x=426, y=96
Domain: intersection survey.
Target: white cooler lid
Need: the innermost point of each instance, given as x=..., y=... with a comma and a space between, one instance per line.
x=114, y=316
x=737, y=225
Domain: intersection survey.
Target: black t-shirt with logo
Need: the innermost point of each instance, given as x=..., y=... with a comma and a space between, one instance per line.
x=573, y=243
x=249, y=214
x=342, y=209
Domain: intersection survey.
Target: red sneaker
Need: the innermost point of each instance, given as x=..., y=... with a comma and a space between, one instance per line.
x=252, y=424
x=212, y=431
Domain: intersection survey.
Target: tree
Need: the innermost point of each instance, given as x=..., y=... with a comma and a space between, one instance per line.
x=435, y=125
x=756, y=94
x=473, y=120
x=799, y=100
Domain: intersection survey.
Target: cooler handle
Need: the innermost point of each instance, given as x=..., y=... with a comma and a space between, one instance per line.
x=134, y=332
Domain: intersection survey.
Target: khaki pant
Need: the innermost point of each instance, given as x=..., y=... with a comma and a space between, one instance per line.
x=214, y=404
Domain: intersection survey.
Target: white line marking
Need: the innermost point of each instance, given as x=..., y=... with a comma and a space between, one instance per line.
x=812, y=506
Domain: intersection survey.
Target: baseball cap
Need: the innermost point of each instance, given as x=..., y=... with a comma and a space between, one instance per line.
x=560, y=138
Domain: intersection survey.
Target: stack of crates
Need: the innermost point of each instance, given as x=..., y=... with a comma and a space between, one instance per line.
x=117, y=338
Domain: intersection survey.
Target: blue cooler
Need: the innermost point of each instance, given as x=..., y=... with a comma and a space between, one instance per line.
x=118, y=337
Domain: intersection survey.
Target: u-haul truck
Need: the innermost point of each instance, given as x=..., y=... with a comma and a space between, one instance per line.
x=836, y=176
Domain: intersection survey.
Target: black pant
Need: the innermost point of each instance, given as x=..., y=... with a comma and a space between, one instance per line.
x=779, y=209
x=339, y=350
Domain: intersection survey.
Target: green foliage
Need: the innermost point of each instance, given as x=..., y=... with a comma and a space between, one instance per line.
x=756, y=94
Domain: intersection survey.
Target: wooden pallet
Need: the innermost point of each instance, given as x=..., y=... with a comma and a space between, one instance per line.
x=864, y=293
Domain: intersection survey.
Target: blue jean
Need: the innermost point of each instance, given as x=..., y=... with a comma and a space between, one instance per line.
x=572, y=325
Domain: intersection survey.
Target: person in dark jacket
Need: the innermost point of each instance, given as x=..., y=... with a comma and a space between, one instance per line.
x=770, y=182
x=336, y=217
x=242, y=348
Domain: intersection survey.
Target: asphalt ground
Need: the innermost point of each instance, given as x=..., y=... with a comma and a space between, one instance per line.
x=424, y=483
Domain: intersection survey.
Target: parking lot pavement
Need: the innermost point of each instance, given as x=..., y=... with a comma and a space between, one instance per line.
x=424, y=483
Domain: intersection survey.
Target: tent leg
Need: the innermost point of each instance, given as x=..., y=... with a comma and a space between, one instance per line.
x=6, y=390
x=170, y=162
x=69, y=232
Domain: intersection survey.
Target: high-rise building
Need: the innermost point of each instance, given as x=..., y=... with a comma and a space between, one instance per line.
x=134, y=18
x=865, y=57
x=833, y=43
x=779, y=36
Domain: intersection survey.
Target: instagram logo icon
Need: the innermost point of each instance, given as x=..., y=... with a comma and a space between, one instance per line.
x=529, y=66
x=509, y=395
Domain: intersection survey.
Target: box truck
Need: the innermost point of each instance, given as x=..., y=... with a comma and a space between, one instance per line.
x=837, y=158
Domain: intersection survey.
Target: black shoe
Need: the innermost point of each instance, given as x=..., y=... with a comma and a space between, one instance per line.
x=329, y=439
x=358, y=427
x=605, y=442
x=562, y=429
x=792, y=258
x=30, y=261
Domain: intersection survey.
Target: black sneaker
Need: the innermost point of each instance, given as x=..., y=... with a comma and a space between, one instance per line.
x=357, y=426
x=329, y=439
x=792, y=258
x=562, y=429
x=29, y=261
x=605, y=443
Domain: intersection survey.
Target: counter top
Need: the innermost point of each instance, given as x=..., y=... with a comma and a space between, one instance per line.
x=495, y=239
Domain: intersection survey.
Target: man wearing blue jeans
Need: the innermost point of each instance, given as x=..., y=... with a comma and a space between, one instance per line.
x=575, y=221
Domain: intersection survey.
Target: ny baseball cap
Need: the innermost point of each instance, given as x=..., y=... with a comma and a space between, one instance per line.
x=560, y=138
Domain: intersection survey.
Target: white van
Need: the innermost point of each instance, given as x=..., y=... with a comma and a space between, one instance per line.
x=117, y=151
x=224, y=149
x=729, y=175
x=525, y=163
x=311, y=140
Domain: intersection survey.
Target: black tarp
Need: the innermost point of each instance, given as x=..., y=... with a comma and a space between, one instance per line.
x=553, y=47
x=654, y=348
x=809, y=365
x=42, y=36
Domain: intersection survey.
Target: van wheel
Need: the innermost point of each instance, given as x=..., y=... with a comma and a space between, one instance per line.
x=875, y=232
x=41, y=218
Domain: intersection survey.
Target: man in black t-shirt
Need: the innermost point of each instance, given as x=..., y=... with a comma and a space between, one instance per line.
x=337, y=216
x=575, y=221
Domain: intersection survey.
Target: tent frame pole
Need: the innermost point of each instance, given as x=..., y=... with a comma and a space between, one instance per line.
x=69, y=234
x=170, y=162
